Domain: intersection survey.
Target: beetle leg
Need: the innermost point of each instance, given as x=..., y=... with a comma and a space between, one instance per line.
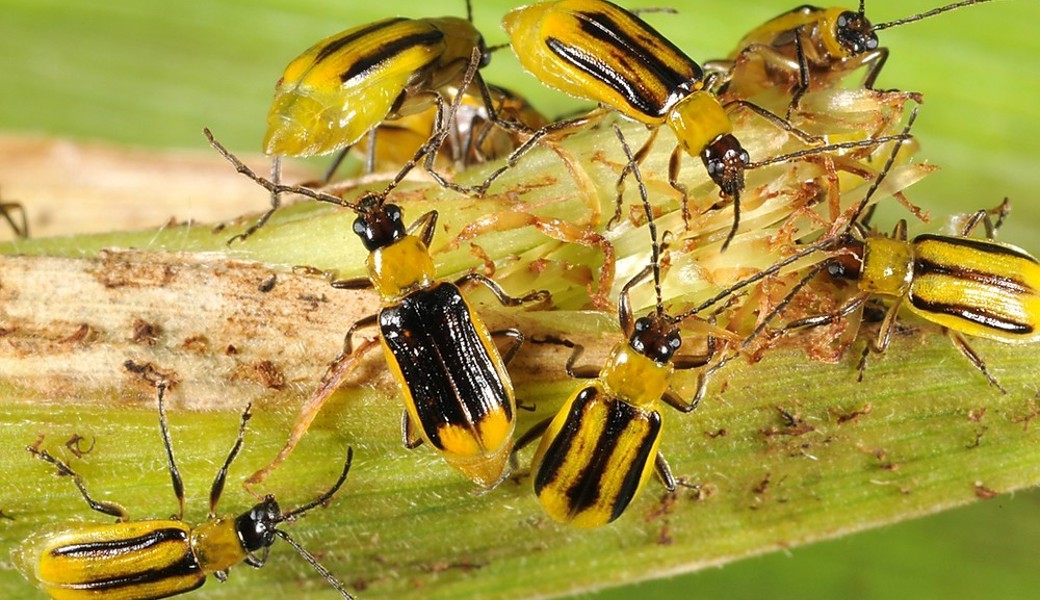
x=674, y=166
x=664, y=472
x=357, y=283
x=803, y=72
x=582, y=372
x=493, y=116
x=888, y=325
x=334, y=375
x=21, y=228
x=780, y=123
x=983, y=216
x=532, y=434
x=516, y=340
x=348, y=340
x=526, y=147
x=899, y=231
x=844, y=310
x=876, y=60
x=682, y=362
x=425, y=225
x=108, y=508
x=557, y=230
x=341, y=155
x=257, y=561
x=884, y=337
x=428, y=151
x=503, y=298
x=976, y=360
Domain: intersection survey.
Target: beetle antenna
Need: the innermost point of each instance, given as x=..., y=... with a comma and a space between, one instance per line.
x=899, y=137
x=930, y=13
x=655, y=246
x=322, y=499
x=275, y=188
x=736, y=222
x=905, y=135
x=313, y=562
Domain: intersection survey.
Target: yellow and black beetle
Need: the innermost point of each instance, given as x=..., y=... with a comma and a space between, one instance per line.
x=811, y=47
x=968, y=286
x=458, y=395
x=599, y=450
x=158, y=558
x=596, y=50
x=343, y=87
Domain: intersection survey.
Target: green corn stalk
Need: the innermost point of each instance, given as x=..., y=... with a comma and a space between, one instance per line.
x=785, y=451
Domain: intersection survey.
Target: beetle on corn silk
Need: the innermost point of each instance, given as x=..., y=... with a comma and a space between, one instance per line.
x=457, y=393
x=810, y=47
x=967, y=286
x=599, y=450
x=595, y=50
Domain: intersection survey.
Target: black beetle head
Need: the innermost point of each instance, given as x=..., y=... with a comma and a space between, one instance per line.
x=655, y=337
x=256, y=527
x=377, y=224
x=725, y=159
x=855, y=33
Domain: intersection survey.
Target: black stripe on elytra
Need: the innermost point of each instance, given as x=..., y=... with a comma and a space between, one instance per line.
x=561, y=446
x=974, y=314
x=449, y=372
x=619, y=421
x=390, y=49
x=187, y=566
x=585, y=492
x=113, y=548
x=635, y=95
x=983, y=246
x=923, y=266
x=602, y=28
x=336, y=44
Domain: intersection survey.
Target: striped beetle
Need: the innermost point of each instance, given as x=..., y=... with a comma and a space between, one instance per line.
x=158, y=558
x=596, y=50
x=599, y=450
x=457, y=393
x=811, y=47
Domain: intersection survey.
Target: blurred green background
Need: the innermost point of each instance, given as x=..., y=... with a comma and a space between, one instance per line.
x=150, y=73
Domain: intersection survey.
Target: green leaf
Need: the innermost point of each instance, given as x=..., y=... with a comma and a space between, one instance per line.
x=153, y=75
